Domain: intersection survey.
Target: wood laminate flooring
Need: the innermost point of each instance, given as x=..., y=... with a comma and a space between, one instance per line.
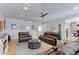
x=11, y=48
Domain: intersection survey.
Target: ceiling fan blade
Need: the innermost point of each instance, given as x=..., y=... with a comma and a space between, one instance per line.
x=44, y=15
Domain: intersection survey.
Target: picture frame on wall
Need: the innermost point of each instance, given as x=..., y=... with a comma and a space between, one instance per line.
x=13, y=26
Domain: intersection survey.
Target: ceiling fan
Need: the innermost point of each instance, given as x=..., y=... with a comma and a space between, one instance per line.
x=43, y=14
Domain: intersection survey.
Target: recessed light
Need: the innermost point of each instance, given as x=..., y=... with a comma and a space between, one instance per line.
x=21, y=15
x=25, y=8
x=26, y=27
x=75, y=8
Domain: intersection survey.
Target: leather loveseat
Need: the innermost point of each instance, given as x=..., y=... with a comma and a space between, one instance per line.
x=24, y=36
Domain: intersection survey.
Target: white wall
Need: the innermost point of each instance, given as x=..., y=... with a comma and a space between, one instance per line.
x=53, y=26
x=19, y=27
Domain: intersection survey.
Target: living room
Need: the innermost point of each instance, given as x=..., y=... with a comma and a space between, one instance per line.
x=38, y=28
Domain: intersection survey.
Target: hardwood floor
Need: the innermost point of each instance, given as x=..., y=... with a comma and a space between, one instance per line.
x=11, y=48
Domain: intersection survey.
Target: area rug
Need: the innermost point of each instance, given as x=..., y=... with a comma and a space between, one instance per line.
x=22, y=49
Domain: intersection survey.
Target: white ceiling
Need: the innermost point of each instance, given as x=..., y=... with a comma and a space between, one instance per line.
x=55, y=10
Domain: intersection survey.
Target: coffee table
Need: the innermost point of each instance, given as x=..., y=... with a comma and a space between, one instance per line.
x=34, y=44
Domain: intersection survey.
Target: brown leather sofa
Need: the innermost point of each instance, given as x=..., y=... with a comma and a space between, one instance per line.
x=24, y=36
x=49, y=38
